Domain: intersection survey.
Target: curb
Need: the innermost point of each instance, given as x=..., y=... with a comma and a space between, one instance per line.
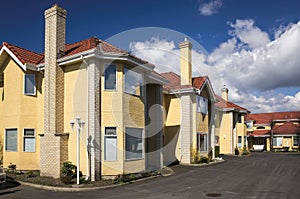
x=79, y=189
x=69, y=189
x=205, y=164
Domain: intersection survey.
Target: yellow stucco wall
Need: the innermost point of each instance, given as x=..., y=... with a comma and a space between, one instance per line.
x=75, y=105
x=172, y=110
x=21, y=111
x=121, y=110
x=225, y=133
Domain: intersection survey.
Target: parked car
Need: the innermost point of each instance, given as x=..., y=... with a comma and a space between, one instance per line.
x=2, y=176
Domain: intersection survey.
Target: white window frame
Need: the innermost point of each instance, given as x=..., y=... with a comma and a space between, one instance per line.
x=205, y=142
x=29, y=137
x=202, y=101
x=240, y=144
x=110, y=136
x=141, y=83
x=34, y=92
x=296, y=137
x=279, y=137
x=6, y=140
x=116, y=74
x=143, y=144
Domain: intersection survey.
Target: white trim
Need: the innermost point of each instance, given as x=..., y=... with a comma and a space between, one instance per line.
x=158, y=79
x=181, y=91
x=4, y=148
x=13, y=56
x=104, y=144
x=94, y=53
x=24, y=89
x=143, y=144
x=23, y=143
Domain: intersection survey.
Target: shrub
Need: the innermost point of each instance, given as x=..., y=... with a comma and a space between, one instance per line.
x=12, y=166
x=69, y=172
x=217, y=151
x=195, y=157
x=236, y=151
x=245, y=151
x=210, y=154
x=204, y=160
x=30, y=174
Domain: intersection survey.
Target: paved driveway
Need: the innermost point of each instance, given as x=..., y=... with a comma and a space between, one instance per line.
x=262, y=175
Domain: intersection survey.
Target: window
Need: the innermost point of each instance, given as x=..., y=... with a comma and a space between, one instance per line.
x=202, y=104
x=111, y=145
x=277, y=141
x=11, y=140
x=260, y=127
x=245, y=141
x=133, y=143
x=133, y=82
x=29, y=84
x=110, y=77
x=296, y=140
x=29, y=140
x=249, y=125
x=202, y=142
x=240, y=118
x=239, y=141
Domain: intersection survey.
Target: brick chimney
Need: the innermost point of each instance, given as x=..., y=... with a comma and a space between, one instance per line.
x=53, y=142
x=225, y=93
x=185, y=62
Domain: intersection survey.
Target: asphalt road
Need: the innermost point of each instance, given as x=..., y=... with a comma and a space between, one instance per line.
x=259, y=176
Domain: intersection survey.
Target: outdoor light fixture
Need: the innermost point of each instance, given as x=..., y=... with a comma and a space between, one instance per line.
x=79, y=124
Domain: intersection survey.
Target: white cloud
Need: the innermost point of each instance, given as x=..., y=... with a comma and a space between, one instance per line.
x=210, y=8
x=249, y=34
x=252, y=70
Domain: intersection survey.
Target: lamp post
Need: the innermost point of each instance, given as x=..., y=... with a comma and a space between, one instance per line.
x=79, y=125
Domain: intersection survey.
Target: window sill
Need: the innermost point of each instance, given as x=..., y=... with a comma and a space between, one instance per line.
x=135, y=159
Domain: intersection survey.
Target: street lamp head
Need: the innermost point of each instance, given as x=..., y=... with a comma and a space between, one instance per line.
x=72, y=123
x=81, y=124
x=78, y=120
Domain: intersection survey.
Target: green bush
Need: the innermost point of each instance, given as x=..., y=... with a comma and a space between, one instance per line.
x=245, y=151
x=210, y=154
x=31, y=174
x=12, y=166
x=236, y=151
x=69, y=173
x=204, y=160
x=217, y=151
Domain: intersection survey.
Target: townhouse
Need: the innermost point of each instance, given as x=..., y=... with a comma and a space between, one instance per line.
x=90, y=82
x=230, y=125
x=277, y=131
x=189, y=112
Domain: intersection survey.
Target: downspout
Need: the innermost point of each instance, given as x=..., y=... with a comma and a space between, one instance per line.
x=231, y=131
x=87, y=177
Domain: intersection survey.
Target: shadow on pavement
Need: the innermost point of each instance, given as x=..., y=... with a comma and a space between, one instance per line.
x=9, y=184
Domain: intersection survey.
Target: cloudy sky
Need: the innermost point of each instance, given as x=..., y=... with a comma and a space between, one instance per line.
x=251, y=47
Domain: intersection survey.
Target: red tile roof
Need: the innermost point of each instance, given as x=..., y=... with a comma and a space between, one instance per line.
x=223, y=104
x=24, y=55
x=266, y=118
x=174, y=81
x=27, y=56
x=259, y=133
x=198, y=82
x=286, y=128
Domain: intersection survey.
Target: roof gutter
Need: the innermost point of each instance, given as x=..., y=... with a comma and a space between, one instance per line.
x=95, y=53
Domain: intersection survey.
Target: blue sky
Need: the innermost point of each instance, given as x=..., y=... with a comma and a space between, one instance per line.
x=226, y=29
